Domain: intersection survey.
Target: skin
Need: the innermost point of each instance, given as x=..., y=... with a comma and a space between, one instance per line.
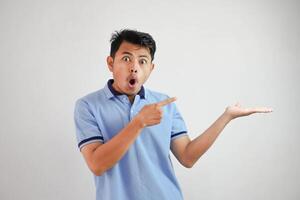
x=134, y=61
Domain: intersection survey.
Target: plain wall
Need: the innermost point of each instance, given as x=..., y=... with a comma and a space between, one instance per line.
x=210, y=54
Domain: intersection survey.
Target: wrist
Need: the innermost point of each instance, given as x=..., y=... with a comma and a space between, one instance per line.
x=138, y=121
x=227, y=116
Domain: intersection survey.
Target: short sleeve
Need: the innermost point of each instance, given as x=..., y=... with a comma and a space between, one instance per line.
x=87, y=129
x=178, y=125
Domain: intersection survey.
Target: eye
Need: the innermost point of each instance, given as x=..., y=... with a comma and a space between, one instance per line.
x=126, y=58
x=143, y=61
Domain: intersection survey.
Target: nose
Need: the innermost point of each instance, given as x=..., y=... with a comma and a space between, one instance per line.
x=133, y=70
x=134, y=67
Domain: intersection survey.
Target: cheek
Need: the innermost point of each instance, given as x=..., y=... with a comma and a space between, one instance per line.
x=146, y=73
x=147, y=70
x=120, y=75
x=118, y=70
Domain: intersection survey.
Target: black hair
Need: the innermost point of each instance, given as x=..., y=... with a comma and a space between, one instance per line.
x=134, y=37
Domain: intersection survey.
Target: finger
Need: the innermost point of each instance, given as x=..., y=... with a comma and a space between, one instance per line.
x=261, y=110
x=166, y=101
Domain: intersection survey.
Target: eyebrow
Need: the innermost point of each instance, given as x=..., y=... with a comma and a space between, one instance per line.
x=126, y=52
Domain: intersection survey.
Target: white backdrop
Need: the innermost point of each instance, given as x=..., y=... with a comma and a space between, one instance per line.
x=210, y=55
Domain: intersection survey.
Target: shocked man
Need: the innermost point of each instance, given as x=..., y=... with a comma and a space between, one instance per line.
x=125, y=131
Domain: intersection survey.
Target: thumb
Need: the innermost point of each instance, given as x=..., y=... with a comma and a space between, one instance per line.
x=238, y=104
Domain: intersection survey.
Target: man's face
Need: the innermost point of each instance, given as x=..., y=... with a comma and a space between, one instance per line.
x=131, y=67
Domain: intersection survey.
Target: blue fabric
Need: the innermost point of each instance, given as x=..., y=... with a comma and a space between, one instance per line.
x=145, y=171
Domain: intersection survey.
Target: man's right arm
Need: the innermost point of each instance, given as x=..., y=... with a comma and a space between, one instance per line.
x=101, y=157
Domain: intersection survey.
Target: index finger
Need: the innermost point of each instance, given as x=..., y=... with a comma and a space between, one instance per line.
x=166, y=101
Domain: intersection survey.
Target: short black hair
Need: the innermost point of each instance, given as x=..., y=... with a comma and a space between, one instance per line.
x=134, y=37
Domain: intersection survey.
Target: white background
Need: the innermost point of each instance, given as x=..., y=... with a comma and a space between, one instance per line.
x=209, y=54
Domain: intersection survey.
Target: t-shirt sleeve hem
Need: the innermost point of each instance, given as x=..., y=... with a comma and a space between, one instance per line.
x=179, y=134
x=90, y=140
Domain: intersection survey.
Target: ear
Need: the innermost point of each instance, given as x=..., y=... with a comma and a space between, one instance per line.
x=152, y=66
x=110, y=61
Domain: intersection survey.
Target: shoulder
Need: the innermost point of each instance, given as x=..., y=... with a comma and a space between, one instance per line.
x=91, y=99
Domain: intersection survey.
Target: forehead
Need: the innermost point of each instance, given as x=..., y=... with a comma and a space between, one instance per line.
x=133, y=49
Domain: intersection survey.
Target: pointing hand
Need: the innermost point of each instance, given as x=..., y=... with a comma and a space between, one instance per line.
x=152, y=114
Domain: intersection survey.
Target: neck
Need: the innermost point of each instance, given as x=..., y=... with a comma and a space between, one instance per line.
x=131, y=98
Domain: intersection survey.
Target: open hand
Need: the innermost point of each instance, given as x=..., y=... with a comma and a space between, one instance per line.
x=237, y=111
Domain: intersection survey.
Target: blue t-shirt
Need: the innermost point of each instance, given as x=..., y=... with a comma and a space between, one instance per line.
x=145, y=171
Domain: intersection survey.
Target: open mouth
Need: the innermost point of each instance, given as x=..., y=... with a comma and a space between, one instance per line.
x=132, y=82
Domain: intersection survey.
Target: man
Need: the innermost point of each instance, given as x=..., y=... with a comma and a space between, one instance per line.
x=125, y=131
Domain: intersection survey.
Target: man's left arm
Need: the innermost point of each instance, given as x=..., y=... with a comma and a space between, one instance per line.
x=188, y=152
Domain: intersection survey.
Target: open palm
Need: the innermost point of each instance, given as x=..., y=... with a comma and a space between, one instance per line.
x=237, y=111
